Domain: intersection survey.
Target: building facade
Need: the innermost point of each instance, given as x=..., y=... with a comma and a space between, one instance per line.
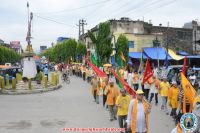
x=42, y=48
x=143, y=34
x=16, y=46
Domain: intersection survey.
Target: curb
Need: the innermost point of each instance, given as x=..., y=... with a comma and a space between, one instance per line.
x=30, y=91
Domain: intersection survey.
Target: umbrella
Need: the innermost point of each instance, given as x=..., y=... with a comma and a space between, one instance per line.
x=107, y=65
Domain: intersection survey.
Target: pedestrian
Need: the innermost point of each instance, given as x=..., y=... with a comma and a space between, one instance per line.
x=173, y=98
x=146, y=90
x=184, y=100
x=122, y=103
x=135, y=80
x=153, y=91
x=126, y=76
x=103, y=87
x=83, y=69
x=137, y=119
x=94, y=87
x=121, y=71
x=164, y=89
x=178, y=128
x=46, y=71
x=112, y=93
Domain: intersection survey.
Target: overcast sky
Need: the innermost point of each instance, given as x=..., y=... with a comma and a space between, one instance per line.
x=55, y=18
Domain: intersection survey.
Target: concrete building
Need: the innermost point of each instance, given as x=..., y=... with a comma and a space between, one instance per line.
x=196, y=36
x=142, y=34
x=1, y=41
x=62, y=39
x=16, y=46
x=42, y=48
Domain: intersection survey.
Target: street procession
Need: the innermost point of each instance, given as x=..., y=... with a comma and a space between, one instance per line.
x=106, y=66
x=123, y=88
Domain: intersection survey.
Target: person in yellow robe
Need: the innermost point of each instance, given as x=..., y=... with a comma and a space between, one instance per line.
x=112, y=93
x=103, y=87
x=95, y=89
x=164, y=89
x=173, y=96
x=122, y=103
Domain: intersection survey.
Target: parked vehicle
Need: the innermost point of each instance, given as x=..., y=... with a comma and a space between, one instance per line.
x=11, y=71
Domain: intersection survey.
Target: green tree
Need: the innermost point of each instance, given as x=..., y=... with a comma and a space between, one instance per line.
x=102, y=41
x=122, y=47
x=62, y=52
x=8, y=55
x=81, y=50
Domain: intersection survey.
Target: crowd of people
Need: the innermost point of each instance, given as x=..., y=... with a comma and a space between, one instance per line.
x=132, y=113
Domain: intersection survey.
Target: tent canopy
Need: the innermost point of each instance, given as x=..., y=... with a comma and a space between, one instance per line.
x=136, y=55
x=156, y=53
x=193, y=57
x=174, y=55
x=182, y=53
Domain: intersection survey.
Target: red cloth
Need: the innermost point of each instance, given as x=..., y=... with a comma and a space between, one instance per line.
x=148, y=72
x=98, y=72
x=184, y=66
x=126, y=86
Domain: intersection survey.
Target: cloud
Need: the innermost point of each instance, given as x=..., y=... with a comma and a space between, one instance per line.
x=13, y=14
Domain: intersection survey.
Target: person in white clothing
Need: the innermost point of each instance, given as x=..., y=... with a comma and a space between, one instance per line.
x=126, y=75
x=137, y=119
x=153, y=91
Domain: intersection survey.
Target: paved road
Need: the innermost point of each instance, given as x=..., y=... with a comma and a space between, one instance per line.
x=71, y=106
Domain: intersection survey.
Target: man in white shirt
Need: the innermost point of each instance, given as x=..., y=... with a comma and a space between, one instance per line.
x=138, y=110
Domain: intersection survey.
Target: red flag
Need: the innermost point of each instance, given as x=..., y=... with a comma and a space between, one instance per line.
x=98, y=72
x=126, y=86
x=147, y=73
x=184, y=66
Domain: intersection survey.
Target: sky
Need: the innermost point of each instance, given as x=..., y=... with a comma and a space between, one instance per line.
x=55, y=18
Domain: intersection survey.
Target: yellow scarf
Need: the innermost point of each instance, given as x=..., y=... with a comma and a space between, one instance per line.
x=179, y=130
x=134, y=115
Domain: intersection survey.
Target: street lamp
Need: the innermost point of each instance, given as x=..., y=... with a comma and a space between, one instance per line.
x=113, y=47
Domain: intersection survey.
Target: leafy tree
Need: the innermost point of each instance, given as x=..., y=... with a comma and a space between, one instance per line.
x=122, y=47
x=8, y=55
x=62, y=52
x=81, y=50
x=102, y=42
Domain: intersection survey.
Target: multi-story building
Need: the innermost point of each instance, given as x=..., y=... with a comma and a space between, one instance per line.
x=42, y=48
x=1, y=41
x=16, y=46
x=62, y=39
x=143, y=34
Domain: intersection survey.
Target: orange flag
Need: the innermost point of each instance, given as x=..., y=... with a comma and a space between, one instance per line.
x=189, y=92
x=122, y=56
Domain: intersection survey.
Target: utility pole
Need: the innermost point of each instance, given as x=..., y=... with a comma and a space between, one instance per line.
x=195, y=40
x=81, y=25
x=79, y=29
x=167, y=44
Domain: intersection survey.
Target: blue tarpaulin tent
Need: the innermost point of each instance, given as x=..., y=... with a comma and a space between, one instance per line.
x=193, y=57
x=156, y=53
x=136, y=55
x=182, y=53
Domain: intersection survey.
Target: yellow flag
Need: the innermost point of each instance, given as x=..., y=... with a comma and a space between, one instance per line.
x=189, y=91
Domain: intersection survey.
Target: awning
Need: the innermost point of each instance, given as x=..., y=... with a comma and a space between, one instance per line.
x=182, y=53
x=174, y=55
x=193, y=57
x=156, y=53
x=136, y=55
